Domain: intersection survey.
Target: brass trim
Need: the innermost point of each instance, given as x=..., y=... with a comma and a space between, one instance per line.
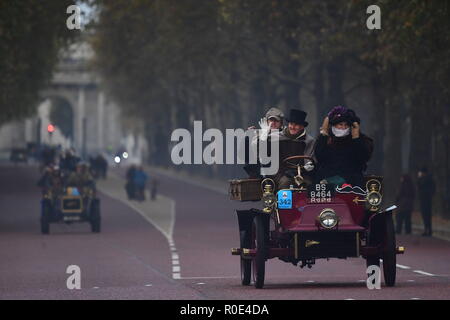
x=71, y=211
x=322, y=212
x=371, y=182
x=267, y=180
x=310, y=243
x=357, y=200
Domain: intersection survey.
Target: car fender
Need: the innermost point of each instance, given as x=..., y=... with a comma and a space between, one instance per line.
x=245, y=221
x=377, y=226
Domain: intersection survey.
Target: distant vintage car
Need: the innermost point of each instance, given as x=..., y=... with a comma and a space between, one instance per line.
x=70, y=206
x=308, y=222
x=18, y=155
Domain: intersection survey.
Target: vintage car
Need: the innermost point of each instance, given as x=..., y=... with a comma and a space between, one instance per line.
x=69, y=206
x=313, y=221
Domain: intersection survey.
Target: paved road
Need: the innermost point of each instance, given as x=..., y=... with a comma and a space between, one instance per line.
x=143, y=254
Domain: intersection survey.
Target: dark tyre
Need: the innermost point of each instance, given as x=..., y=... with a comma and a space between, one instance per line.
x=389, y=254
x=246, y=271
x=45, y=218
x=95, y=218
x=261, y=242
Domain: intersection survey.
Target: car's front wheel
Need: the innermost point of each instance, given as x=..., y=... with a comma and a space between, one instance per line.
x=389, y=254
x=95, y=218
x=260, y=233
x=45, y=218
x=246, y=271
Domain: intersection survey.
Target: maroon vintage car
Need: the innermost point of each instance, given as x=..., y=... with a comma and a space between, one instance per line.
x=313, y=221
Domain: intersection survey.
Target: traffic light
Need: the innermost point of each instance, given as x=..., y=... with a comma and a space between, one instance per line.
x=50, y=128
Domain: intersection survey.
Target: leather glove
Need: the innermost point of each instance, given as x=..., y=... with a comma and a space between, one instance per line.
x=325, y=127
x=309, y=166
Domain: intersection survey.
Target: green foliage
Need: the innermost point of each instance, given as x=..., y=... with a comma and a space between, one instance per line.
x=31, y=34
x=226, y=61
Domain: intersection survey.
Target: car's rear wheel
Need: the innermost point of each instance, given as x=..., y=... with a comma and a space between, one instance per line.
x=389, y=254
x=95, y=217
x=261, y=242
x=45, y=218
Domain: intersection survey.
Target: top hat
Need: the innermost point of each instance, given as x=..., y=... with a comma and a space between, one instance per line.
x=298, y=117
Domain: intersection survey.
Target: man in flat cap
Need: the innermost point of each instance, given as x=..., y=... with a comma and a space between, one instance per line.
x=271, y=127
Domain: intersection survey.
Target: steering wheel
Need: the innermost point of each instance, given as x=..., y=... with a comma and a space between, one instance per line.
x=294, y=161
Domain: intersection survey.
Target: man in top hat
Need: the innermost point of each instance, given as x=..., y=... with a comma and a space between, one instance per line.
x=294, y=141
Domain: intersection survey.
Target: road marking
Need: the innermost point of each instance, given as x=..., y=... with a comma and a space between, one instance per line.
x=349, y=299
x=110, y=189
x=200, y=283
x=403, y=267
x=415, y=298
x=148, y=285
x=219, y=277
x=410, y=280
x=310, y=281
x=176, y=269
x=424, y=273
x=95, y=288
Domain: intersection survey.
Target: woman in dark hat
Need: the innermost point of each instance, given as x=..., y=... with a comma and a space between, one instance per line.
x=342, y=151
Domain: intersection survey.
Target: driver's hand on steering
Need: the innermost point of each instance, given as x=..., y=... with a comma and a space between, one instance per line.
x=309, y=166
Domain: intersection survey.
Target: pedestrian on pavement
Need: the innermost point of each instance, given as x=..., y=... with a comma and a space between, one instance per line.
x=154, y=188
x=139, y=181
x=129, y=186
x=405, y=204
x=426, y=189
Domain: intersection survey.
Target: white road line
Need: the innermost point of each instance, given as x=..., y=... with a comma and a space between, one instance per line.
x=424, y=273
x=175, y=256
x=148, y=285
x=197, y=278
x=403, y=267
x=176, y=269
x=176, y=276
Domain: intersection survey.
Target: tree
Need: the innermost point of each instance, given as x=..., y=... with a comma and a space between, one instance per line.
x=31, y=35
